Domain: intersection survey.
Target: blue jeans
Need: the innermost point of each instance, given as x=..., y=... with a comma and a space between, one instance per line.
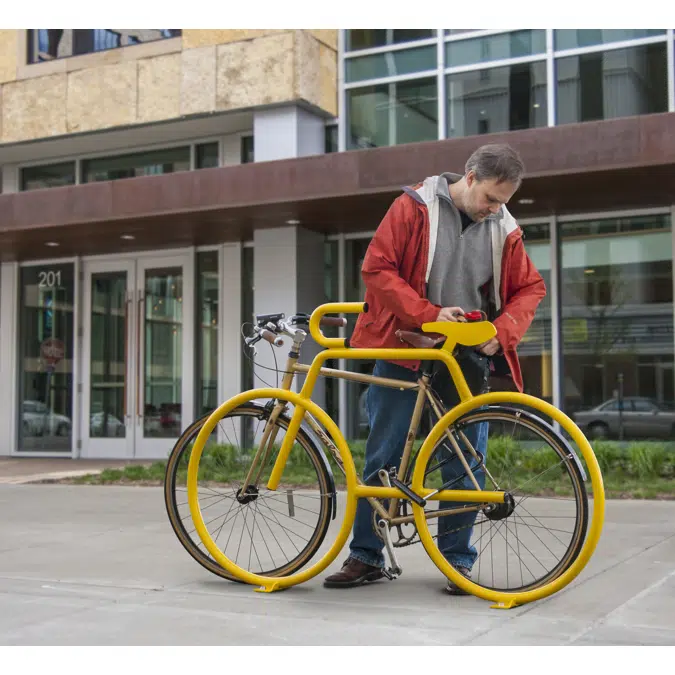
x=389, y=415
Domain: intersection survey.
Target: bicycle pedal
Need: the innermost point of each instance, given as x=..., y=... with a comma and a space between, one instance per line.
x=392, y=572
x=414, y=497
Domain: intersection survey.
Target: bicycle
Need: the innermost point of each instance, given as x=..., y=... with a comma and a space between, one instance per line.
x=307, y=430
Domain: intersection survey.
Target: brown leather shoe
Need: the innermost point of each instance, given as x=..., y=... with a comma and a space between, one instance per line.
x=452, y=588
x=353, y=573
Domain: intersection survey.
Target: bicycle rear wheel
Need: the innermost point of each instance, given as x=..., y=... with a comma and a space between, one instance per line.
x=277, y=533
x=538, y=533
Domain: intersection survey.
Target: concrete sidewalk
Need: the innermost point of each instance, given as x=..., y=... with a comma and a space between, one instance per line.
x=20, y=470
x=100, y=565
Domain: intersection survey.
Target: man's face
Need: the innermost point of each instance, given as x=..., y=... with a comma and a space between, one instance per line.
x=486, y=197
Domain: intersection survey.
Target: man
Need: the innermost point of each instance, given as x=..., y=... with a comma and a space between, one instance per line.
x=446, y=246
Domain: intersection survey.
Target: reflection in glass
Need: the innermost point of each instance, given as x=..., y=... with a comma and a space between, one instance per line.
x=46, y=44
x=368, y=38
x=331, y=138
x=355, y=291
x=47, y=176
x=109, y=322
x=390, y=64
x=497, y=99
x=535, y=349
x=331, y=294
x=392, y=114
x=617, y=83
x=207, y=332
x=247, y=375
x=46, y=357
x=151, y=163
x=206, y=155
x=247, y=150
x=617, y=297
x=163, y=365
x=586, y=37
x=495, y=47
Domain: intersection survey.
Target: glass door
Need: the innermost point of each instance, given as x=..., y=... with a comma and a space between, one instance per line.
x=163, y=382
x=107, y=429
x=136, y=388
x=45, y=363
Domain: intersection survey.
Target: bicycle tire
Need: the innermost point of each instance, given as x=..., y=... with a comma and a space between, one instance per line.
x=185, y=538
x=572, y=467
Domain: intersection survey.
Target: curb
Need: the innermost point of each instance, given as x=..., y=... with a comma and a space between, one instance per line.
x=43, y=477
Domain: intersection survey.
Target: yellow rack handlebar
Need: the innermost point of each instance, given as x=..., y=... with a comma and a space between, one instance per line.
x=332, y=308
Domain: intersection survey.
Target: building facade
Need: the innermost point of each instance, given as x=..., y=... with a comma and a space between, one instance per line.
x=161, y=186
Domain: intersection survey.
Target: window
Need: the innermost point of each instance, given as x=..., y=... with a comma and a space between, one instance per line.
x=206, y=155
x=331, y=138
x=45, y=361
x=390, y=64
x=247, y=310
x=392, y=114
x=643, y=405
x=367, y=39
x=151, y=163
x=47, y=176
x=495, y=47
x=617, y=304
x=207, y=332
x=247, y=150
x=571, y=39
x=511, y=98
x=617, y=83
x=535, y=349
x=46, y=44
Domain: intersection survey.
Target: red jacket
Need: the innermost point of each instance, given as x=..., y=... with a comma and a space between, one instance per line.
x=394, y=272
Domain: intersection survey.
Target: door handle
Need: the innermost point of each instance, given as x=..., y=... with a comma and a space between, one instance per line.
x=139, y=365
x=127, y=302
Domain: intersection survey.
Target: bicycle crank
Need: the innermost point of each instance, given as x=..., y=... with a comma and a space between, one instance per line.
x=394, y=570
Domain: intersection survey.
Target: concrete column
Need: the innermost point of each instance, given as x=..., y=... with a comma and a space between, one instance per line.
x=9, y=280
x=10, y=178
x=231, y=150
x=288, y=277
x=287, y=131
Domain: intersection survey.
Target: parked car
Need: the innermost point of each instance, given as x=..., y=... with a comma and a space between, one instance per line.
x=39, y=420
x=102, y=425
x=641, y=418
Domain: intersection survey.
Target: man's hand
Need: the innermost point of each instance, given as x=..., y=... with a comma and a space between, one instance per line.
x=451, y=314
x=491, y=347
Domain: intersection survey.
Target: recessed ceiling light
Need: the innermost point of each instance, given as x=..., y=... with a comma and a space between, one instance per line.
x=536, y=105
x=292, y=221
x=526, y=201
x=589, y=271
x=51, y=243
x=127, y=236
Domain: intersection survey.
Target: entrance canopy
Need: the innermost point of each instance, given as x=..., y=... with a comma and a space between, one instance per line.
x=593, y=166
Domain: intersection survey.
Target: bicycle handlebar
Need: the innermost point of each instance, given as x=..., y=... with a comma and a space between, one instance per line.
x=270, y=337
x=332, y=321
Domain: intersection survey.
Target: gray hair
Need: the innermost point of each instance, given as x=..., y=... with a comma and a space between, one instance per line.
x=500, y=162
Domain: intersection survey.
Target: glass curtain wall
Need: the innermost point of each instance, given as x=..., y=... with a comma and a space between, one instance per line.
x=412, y=86
x=616, y=326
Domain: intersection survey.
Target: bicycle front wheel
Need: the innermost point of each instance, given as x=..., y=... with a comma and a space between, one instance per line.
x=539, y=532
x=269, y=533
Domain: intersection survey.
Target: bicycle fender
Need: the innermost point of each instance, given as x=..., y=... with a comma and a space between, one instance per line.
x=540, y=422
x=316, y=443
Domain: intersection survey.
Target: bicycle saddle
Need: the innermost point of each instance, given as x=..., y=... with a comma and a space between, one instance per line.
x=469, y=334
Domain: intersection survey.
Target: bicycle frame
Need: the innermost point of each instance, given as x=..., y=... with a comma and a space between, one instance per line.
x=424, y=393
x=472, y=334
